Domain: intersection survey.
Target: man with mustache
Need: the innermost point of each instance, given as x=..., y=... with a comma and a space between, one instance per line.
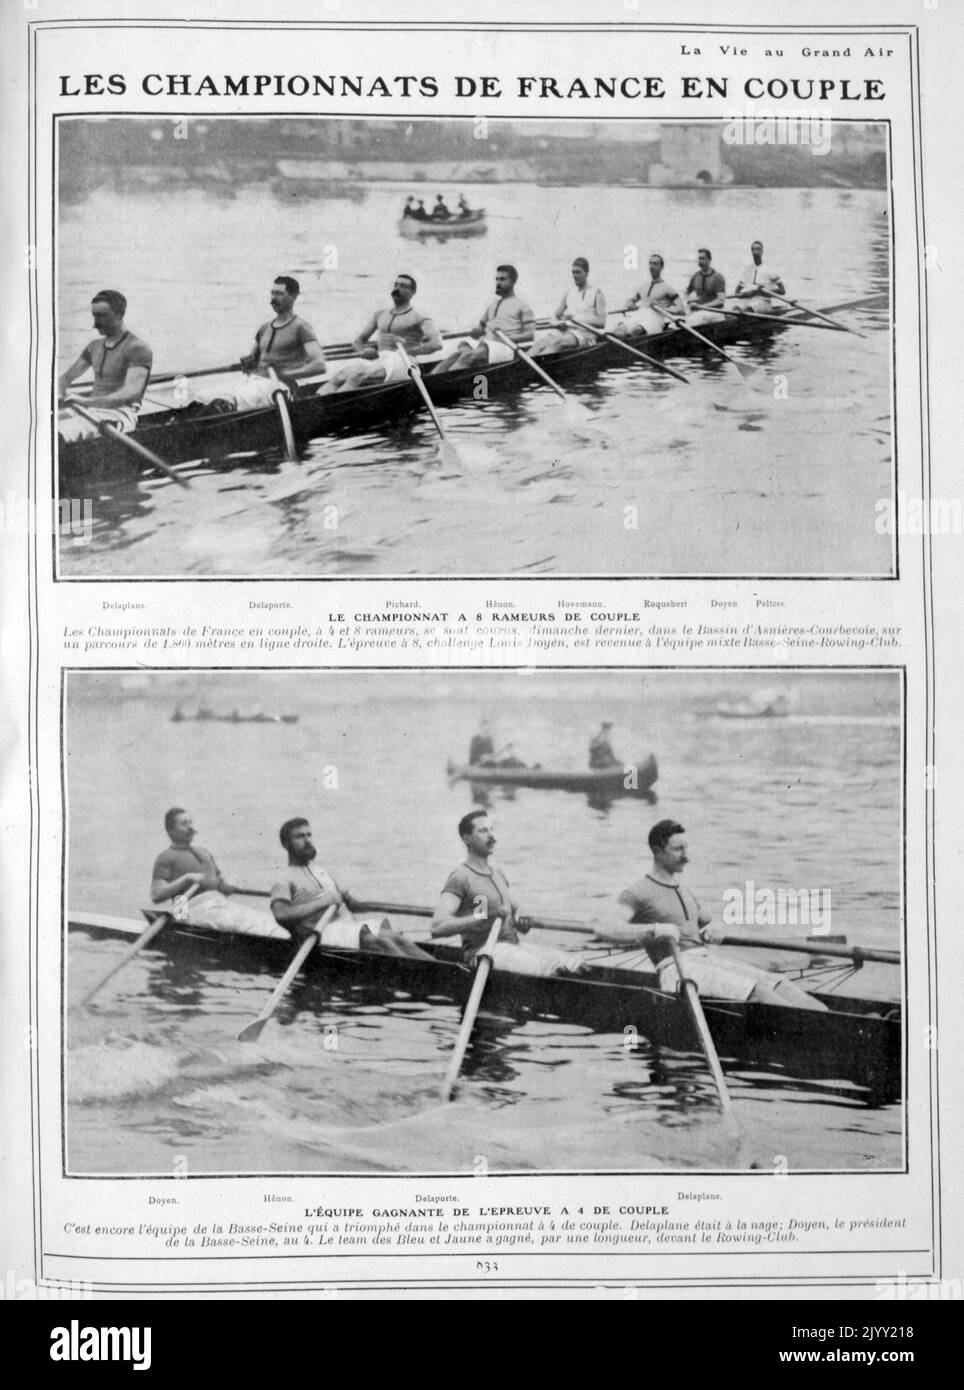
x=668, y=912
x=185, y=865
x=121, y=364
x=507, y=313
x=757, y=283
x=475, y=894
x=303, y=892
x=643, y=309
x=381, y=361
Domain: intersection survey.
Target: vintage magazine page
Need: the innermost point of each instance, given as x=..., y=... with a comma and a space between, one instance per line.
x=483, y=534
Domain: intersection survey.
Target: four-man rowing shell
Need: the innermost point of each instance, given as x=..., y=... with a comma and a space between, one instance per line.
x=856, y=1040
x=631, y=780
x=175, y=438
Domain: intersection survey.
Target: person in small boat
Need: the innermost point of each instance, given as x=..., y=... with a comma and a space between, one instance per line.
x=304, y=891
x=706, y=291
x=420, y=214
x=581, y=301
x=668, y=912
x=601, y=750
x=757, y=283
x=381, y=361
x=285, y=345
x=475, y=894
x=409, y=209
x=482, y=747
x=464, y=209
x=507, y=312
x=440, y=212
x=121, y=363
x=185, y=865
x=642, y=309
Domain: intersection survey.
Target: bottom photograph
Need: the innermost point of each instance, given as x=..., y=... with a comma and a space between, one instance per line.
x=477, y=921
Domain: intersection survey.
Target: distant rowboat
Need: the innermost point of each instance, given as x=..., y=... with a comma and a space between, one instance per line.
x=472, y=224
x=629, y=779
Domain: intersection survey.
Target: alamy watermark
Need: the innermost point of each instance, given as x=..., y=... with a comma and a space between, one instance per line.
x=761, y=127
x=777, y=907
x=919, y=516
x=72, y=519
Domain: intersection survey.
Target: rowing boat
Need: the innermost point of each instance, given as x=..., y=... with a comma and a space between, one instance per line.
x=473, y=224
x=857, y=1040
x=630, y=779
x=175, y=437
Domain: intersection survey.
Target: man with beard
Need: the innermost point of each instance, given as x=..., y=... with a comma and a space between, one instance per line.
x=668, y=912
x=303, y=892
x=121, y=364
x=757, y=283
x=184, y=865
x=475, y=894
x=381, y=361
x=506, y=312
x=285, y=347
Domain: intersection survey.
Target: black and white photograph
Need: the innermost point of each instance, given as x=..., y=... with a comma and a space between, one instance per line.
x=390, y=922
x=316, y=347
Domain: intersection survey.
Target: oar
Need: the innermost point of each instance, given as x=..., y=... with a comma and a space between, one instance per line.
x=252, y=1031
x=619, y=342
x=112, y=433
x=815, y=313
x=692, y=995
x=284, y=415
x=575, y=409
x=448, y=451
x=783, y=319
x=751, y=375
x=527, y=923
x=175, y=912
x=483, y=966
x=816, y=947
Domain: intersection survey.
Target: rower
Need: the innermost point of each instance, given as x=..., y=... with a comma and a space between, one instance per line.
x=706, y=291
x=420, y=214
x=757, y=283
x=302, y=893
x=184, y=865
x=409, y=209
x=440, y=212
x=642, y=315
x=464, y=209
x=475, y=894
x=670, y=912
x=121, y=363
x=601, y=750
x=580, y=301
x=401, y=323
x=506, y=312
x=482, y=747
x=286, y=345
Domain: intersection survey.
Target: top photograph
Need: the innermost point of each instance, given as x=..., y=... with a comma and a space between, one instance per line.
x=327, y=348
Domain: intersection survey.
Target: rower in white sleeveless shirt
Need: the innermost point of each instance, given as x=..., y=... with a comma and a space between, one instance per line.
x=642, y=315
x=581, y=301
x=756, y=283
x=381, y=361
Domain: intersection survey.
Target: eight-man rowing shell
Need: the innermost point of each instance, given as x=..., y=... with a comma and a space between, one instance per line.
x=175, y=438
x=856, y=1040
x=635, y=779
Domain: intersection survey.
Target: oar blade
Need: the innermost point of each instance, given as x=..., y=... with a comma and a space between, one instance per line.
x=253, y=1031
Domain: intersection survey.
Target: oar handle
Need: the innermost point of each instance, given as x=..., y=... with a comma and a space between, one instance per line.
x=109, y=431
x=482, y=969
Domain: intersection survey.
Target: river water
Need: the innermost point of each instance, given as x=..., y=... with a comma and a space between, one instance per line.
x=154, y=1075
x=725, y=479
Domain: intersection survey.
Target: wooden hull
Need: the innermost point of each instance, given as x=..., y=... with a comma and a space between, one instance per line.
x=219, y=438
x=857, y=1040
x=609, y=782
x=473, y=225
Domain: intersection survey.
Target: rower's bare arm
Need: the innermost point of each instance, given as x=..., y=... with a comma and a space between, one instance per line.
x=130, y=393
x=250, y=360
x=314, y=357
x=444, y=921
x=431, y=339
x=285, y=912
x=598, y=316
x=362, y=346
x=77, y=369
x=563, y=312
x=162, y=889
